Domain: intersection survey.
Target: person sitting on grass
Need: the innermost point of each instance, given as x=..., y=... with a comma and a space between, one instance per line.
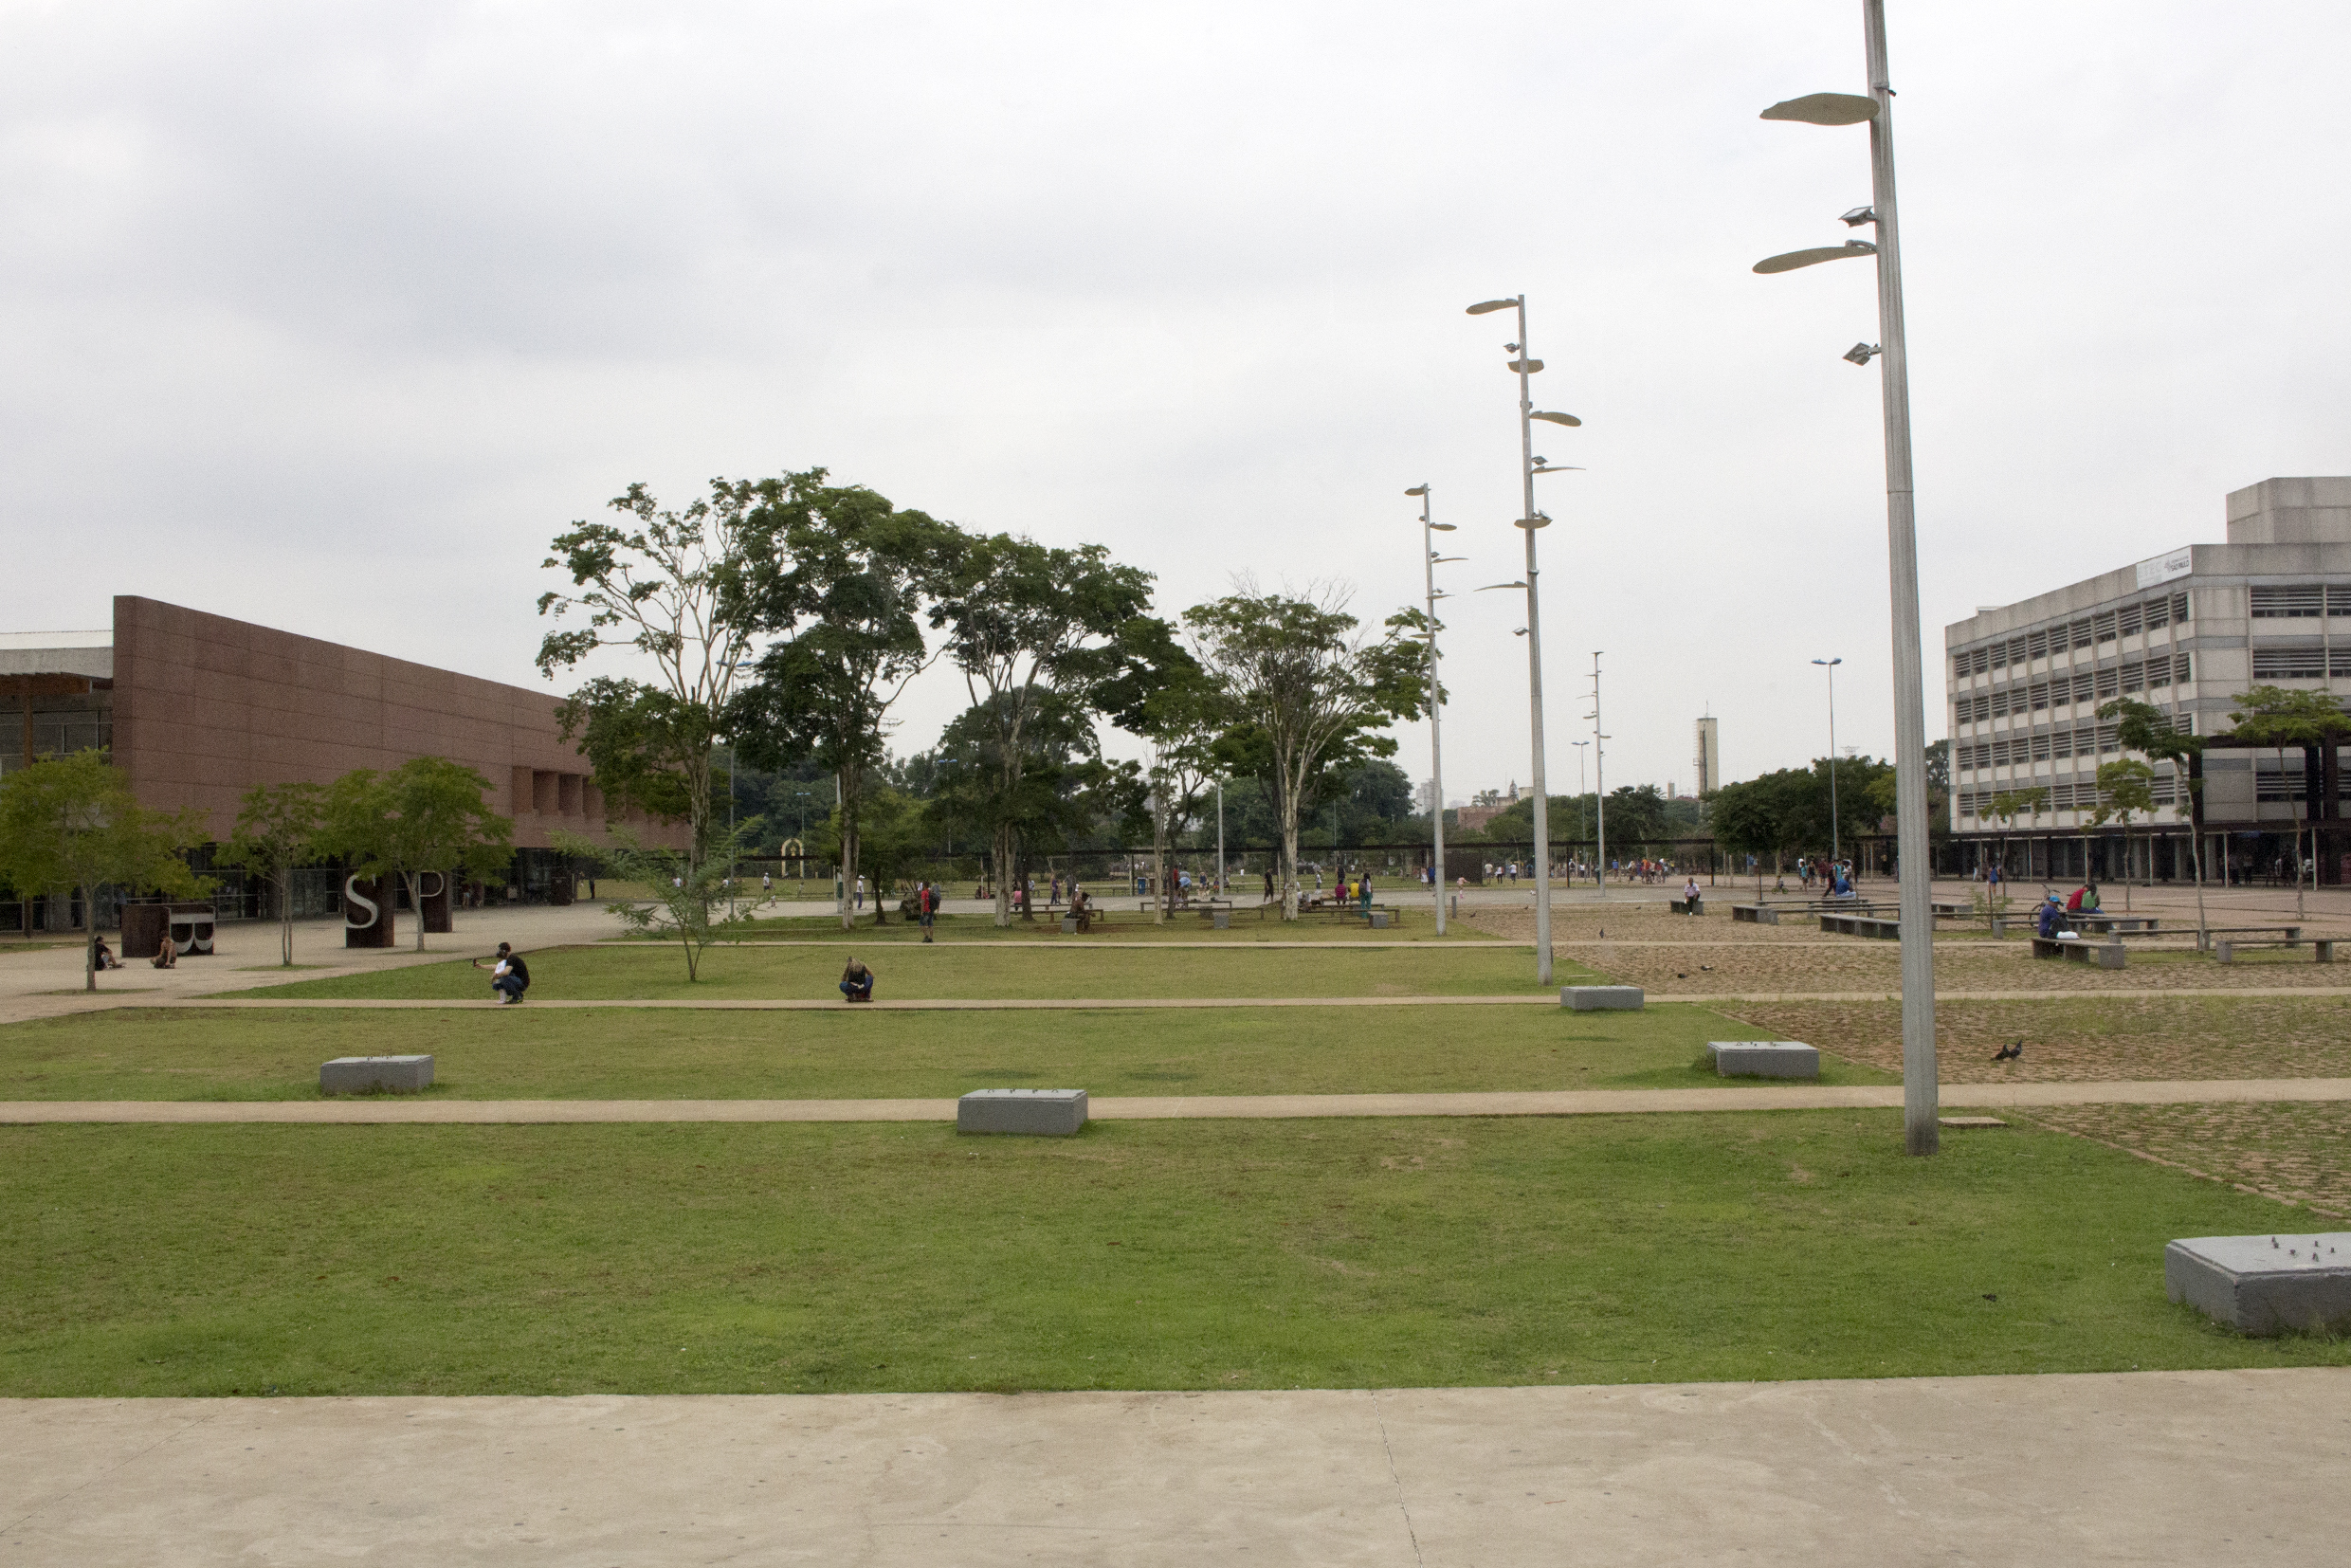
x=510, y=977
x=167, y=955
x=857, y=981
x=105, y=957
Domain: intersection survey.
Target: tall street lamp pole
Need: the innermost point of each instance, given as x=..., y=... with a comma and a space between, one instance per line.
x=1922, y=1135
x=1221, y=889
x=1834, y=853
x=1599, y=781
x=1429, y=530
x=1530, y=520
x=1583, y=823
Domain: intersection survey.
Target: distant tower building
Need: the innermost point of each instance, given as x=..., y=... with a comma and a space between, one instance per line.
x=1709, y=759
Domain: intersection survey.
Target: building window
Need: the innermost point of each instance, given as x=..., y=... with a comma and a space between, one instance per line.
x=2036, y=646
x=2293, y=601
x=2179, y=608
x=2040, y=746
x=2104, y=625
x=2039, y=697
x=2159, y=612
x=2180, y=669
x=2127, y=619
x=2106, y=681
x=2273, y=785
x=2134, y=677
x=2289, y=664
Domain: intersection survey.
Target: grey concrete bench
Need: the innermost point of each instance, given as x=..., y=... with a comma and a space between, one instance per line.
x=360, y=1074
x=1687, y=907
x=1862, y=925
x=1601, y=998
x=2108, y=924
x=2081, y=950
x=1755, y=914
x=1043, y=1112
x=2265, y=1285
x=1764, y=1058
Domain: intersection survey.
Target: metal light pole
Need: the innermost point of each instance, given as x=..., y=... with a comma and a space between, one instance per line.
x=1830, y=664
x=1530, y=520
x=1599, y=781
x=1221, y=889
x=1921, y=1133
x=1583, y=823
x=1436, y=750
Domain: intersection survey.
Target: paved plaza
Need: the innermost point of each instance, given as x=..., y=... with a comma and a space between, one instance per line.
x=2122, y=1468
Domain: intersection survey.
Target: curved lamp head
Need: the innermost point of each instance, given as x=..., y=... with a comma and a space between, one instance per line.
x=1418, y=490
x=1440, y=560
x=1556, y=418
x=1824, y=109
x=1826, y=662
x=1529, y=366
x=1490, y=586
x=1493, y=305
x=1441, y=527
x=1790, y=261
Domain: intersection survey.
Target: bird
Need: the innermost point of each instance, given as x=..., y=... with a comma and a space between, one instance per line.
x=2010, y=1051
x=1681, y=973
x=1705, y=967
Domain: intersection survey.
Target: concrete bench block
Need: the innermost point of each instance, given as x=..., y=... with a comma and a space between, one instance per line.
x=1041, y=1113
x=1070, y=925
x=1764, y=1058
x=1601, y=998
x=1221, y=919
x=358, y=1074
x=1380, y=920
x=2265, y=1285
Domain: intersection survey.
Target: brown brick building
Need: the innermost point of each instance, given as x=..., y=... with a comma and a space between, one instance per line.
x=200, y=709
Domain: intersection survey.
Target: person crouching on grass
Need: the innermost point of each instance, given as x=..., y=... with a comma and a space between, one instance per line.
x=857, y=982
x=510, y=977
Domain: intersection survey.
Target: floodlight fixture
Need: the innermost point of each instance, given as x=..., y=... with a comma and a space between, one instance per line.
x=1790, y=261
x=1859, y=353
x=1824, y=109
x=1858, y=217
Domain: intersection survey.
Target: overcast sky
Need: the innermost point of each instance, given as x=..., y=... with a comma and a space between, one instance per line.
x=328, y=317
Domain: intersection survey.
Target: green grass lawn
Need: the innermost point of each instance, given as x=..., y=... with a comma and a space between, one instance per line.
x=517, y=1053
x=618, y=972
x=1140, y=1255
x=1125, y=924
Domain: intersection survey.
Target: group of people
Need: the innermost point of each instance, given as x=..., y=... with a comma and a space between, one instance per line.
x=1834, y=876
x=2052, y=915
x=166, y=955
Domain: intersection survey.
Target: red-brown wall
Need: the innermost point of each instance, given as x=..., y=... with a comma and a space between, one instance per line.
x=207, y=707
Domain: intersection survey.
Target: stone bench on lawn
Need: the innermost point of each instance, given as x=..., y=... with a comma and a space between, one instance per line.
x=1601, y=998
x=1039, y=1112
x=360, y=1074
x=1764, y=1058
x=2265, y=1285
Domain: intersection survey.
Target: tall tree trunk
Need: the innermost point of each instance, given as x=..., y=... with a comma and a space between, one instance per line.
x=1289, y=848
x=1159, y=904
x=852, y=786
x=1000, y=863
x=285, y=917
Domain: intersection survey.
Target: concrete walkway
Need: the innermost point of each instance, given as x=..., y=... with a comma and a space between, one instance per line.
x=385, y=1110
x=2241, y=1467
x=1053, y=1004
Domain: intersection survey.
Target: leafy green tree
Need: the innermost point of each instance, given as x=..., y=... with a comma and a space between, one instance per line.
x=72, y=822
x=1032, y=629
x=838, y=578
x=894, y=833
x=1062, y=786
x=2005, y=807
x=427, y=815
x=1745, y=821
x=2281, y=716
x=2125, y=789
x=683, y=888
x=2144, y=728
x=666, y=586
x=277, y=831
x=1297, y=668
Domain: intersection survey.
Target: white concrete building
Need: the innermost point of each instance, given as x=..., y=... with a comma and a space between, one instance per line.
x=2185, y=631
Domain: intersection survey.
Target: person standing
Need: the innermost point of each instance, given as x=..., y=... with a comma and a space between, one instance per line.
x=926, y=903
x=861, y=893
x=1363, y=895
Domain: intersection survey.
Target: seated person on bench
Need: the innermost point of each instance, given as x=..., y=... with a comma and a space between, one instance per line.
x=2045, y=919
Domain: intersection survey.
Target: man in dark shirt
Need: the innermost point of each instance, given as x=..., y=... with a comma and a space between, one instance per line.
x=509, y=977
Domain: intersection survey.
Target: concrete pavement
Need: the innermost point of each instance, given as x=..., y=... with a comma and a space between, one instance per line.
x=2243, y=1467
x=1735, y=1097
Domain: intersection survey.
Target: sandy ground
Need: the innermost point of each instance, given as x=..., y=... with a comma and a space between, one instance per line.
x=2297, y=1154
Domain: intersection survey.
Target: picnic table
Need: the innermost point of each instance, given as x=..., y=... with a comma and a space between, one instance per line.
x=2080, y=949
